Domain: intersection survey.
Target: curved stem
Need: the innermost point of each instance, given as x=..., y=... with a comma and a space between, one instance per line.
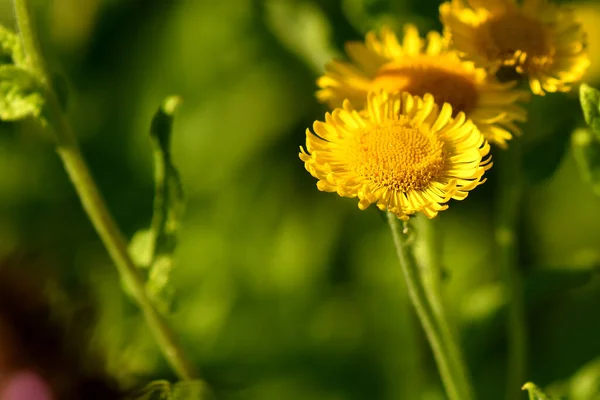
x=93, y=203
x=507, y=214
x=423, y=307
x=429, y=254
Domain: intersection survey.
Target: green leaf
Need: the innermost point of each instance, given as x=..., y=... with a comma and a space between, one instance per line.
x=154, y=248
x=535, y=393
x=11, y=51
x=169, y=197
x=590, y=104
x=586, y=150
x=303, y=28
x=155, y=390
x=20, y=94
x=184, y=390
x=585, y=383
x=158, y=283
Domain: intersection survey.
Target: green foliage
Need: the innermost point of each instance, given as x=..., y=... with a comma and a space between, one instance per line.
x=184, y=390
x=11, y=51
x=585, y=383
x=590, y=103
x=21, y=94
x=278, y=259
x=153, y=248
x=303, y=28
x=535, y=393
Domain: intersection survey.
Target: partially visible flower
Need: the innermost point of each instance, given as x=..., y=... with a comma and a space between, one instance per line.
x=404, y=153
x=537, y=38
x=423, y=67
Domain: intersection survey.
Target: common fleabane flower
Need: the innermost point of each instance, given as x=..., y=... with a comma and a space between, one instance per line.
x=423, y=67
x=539, y=39
x=403, y=153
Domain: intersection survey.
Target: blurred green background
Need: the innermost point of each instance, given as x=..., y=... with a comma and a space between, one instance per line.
x=284, y=292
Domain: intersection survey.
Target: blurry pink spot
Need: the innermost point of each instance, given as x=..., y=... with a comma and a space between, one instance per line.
x=26, y=385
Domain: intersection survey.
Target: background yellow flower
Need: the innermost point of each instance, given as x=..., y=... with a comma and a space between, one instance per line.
x=539, y=39
x=424, y=67
x=403, y=153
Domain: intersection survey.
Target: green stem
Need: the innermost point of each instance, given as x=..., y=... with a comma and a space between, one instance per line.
x=507, y=214
x=92, y=201
x=429, y=254
x=424, y=309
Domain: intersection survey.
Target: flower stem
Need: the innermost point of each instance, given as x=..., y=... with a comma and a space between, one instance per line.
x=507, y=214
x=424, y=309
x=92, y=201
x=429, y=252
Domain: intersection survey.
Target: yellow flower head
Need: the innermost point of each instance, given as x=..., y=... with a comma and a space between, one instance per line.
x=539, y=39
x=424, y=67
x=403, y=153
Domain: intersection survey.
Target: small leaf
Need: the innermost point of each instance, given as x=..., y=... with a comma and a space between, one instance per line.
x=11, y=51
x=20, y=94
x=155, y=390
x=154, y=248
x=141, y=248
x=590, y=99
x=585, y=383
x=158, y=284
x=169, y=197
x=586, y=150
x=535, y=393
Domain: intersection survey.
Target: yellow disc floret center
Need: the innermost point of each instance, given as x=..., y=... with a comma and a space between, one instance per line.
x=399, y=156
x=421, y=76
x=515, y=32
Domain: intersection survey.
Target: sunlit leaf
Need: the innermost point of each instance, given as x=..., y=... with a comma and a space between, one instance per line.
x=11, y=51
x=585, y=383
x=158, y=283
x=20, y=94
x=586, y=150
x=590, y=98
x=141, y=248
x=535, y=393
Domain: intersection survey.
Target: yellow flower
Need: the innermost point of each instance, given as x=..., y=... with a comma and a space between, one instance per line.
x=539, y=39
x=424, y=67
x=404, y=153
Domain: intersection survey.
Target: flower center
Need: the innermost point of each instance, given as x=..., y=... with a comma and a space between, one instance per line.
x=399, y=156
x=515, y=32
x=420, y=77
